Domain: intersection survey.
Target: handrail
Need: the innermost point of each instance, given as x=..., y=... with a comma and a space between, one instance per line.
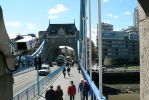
x=38, y=50
x=31, y=91
x=95, y=90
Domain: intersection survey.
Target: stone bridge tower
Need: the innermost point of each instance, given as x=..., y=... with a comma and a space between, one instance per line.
x=143, y=6
x=59, y=35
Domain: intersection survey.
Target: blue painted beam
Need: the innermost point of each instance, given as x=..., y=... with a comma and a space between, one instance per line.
x=93, y=87
x=81, y=34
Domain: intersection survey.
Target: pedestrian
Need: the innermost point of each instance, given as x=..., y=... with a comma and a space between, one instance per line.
x=64, y=72
x=79, y=69
x=72, y=91
x=59, y=93
x=80, y=88
x=67, y=64
x=50, y=94
x=68, y=71
x=86, y=90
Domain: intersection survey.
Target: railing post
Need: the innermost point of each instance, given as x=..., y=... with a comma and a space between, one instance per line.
x=46, y=80
x=27, y=94
x=34, y=90
x=18, y=96
x=38, y=86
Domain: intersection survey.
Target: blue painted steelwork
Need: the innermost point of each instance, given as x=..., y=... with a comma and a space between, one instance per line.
x=29, y=58
x=95, y=91
x=31, y=91
x=81, y=34
x=39, y=50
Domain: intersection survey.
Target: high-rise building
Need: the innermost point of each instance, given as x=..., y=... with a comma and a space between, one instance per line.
x=121, y=47
x=107, y=27
x=136, y=18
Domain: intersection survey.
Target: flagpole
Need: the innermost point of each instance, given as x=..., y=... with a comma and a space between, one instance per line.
x=100, y=46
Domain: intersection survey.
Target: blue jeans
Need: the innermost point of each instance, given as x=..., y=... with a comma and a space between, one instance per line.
x=85, y=96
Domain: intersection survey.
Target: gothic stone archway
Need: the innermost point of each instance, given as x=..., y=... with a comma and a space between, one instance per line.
x=59, y=35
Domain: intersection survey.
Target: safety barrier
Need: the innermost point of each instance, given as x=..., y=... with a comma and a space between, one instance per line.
x=95, y=91
x=31, y=91
x=23, y=70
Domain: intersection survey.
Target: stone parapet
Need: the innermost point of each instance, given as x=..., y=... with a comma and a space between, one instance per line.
x=144, y=54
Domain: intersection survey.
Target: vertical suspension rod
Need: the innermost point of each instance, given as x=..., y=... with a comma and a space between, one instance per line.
x=100, y=46
x=90, y=45
x=86, y=49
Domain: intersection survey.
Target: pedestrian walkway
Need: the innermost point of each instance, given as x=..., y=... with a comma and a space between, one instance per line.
x=64, y=83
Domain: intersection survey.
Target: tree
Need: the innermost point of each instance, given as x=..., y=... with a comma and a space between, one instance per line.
x=107, y=61
x=94, y=50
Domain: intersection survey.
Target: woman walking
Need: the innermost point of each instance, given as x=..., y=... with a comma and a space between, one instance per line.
x=58, y=93
x=72, y=91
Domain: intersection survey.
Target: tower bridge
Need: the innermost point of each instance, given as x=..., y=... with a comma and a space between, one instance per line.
x=56, y=35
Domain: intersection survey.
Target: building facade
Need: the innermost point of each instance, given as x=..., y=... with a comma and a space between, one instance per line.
x=59, y=35
x=121, y=47
x=136, y=18
x=107, y=27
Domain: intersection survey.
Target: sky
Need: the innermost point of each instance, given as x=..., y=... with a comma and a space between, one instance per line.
x=31, y=16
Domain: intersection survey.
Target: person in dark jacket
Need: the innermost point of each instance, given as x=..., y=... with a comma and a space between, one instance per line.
x=86, y=90
x=50, y=94
x=68, y=71
x=80, y=88
x=64, y=72
x=59, y=93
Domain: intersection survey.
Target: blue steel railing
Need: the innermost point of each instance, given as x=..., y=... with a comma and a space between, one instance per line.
x=39, y=50
x=26, y=67
x=95, y=91
x=30, y=92
x=23, y=70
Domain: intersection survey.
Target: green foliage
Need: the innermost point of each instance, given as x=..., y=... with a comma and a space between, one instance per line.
x=107, y=61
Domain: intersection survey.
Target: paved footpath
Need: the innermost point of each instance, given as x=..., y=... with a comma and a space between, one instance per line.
x=64, y=83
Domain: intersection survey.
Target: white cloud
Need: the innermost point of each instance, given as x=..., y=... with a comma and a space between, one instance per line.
x=15, y=24
x=12, y=35
x=59, y=8
x=110, y=15
x=105, y=1
x=115, y=16
x=94, y=35
x=106, y=21
x=127, y=13
x=53, y=16
x=31, y=26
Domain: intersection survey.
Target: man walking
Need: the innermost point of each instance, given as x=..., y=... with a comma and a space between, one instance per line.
x=80, y=88
x=50, y=94
x=68, y=71
x=64, y=72
x=86, y=89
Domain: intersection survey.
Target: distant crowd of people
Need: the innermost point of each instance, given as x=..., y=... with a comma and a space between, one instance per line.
x=83, y=89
